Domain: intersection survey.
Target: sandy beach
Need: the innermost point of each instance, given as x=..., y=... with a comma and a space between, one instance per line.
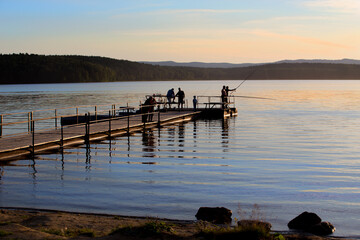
x=41, y=224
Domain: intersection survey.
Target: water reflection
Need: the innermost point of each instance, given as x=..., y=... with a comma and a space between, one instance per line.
x=33, y=171
x=148, y=141
x=225, y=134
x=62, y=165
x=194, y=138
x=181, y=132
x=88, y=159
x=1, y=173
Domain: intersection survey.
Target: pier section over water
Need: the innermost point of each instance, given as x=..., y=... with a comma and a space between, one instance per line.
x=97, y=125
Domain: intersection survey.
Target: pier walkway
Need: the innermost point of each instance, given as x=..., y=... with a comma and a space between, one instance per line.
x=30, y=133
x=37, y=141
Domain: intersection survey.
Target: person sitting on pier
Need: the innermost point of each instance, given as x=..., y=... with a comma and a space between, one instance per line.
x=170, y=96
x=181, y=95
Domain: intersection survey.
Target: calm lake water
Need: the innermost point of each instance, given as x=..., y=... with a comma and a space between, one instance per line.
x=299, y=152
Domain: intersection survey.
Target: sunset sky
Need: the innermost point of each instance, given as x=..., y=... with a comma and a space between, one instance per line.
x=183, y=31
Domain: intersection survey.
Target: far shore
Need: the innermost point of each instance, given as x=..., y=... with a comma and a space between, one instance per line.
x=52, y=224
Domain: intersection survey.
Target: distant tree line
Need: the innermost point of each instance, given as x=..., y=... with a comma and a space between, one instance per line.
x=31, y=68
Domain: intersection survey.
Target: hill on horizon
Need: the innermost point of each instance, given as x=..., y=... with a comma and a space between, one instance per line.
x=32, y=68
x=234, y=65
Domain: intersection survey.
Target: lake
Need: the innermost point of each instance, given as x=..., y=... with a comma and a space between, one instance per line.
x=298, y=152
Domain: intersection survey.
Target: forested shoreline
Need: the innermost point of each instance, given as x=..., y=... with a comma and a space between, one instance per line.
x=32, y=68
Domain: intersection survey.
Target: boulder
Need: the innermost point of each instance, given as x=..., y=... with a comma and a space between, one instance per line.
x=304, y=221
x=249, y=223
x=324, y=228
x=217, y=215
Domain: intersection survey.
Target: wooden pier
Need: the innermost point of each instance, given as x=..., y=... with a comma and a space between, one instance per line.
x=94, y=128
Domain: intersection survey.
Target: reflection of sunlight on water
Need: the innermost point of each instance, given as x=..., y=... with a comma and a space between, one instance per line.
x=333, y=100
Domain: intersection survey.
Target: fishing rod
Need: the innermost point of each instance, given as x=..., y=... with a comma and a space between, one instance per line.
x=246, y=78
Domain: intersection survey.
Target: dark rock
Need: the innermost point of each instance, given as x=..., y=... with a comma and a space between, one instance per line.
x=218, y=215
x=304, y=221
x=324, y=228
x=249, y=223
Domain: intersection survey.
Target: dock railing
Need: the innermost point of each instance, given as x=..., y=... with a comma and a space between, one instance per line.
x=18, y=123
x=22, y=122
x=209, y=102
x=48, y=125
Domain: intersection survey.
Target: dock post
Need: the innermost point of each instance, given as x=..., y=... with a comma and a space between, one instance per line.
x=62, y=135
x=1, y=124
x=77, y=115
x=33, y=136
x=86, y=128
x=32, y=119
x=158, y=116
x=29, y=122
x=96, y=113
x=55, y=118
x=128, y=119
x=109, y=124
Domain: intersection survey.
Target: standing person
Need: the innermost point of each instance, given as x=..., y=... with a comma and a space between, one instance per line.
x=170, y=96
x=152, y=103
x=195, y=101
x=223, y=96
x=145, y=110
x=181, y=95
x=227, y=92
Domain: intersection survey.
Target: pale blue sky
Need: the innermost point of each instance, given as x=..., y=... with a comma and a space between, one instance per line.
x=198, y=30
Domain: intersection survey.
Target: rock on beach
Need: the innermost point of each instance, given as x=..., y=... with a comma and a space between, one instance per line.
x=311, y=223
x=217, y=215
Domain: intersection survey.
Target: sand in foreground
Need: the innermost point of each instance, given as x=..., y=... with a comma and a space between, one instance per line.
x=36, y=224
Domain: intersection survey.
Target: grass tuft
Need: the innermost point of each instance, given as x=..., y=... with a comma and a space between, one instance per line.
x=71, y=233
x=148, y=229
x=4, y=233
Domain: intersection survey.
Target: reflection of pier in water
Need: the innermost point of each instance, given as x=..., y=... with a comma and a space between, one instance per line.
x=174, y=144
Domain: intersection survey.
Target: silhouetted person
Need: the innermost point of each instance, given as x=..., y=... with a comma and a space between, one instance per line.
x=223, y=96
x=152, y=103
x=170, y=96
x=226, y=98
x=227, y=92
x=181, y=95
x=195, y=101
x=145, y=110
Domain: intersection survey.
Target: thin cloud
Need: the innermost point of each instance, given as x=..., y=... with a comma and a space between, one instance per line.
x=290, y=18
x=190, y=11
x=216, y=11
x=343, y=6
x=308, y=40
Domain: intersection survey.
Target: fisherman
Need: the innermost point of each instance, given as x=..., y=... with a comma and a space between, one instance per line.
x=227, y=90
x=195, y=101
x=170, y=96
x=180, y=95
